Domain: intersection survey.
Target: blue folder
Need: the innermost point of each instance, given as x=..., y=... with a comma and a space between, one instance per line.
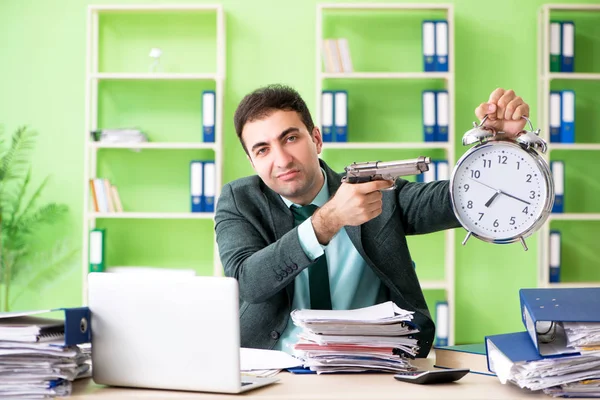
x=517, y=347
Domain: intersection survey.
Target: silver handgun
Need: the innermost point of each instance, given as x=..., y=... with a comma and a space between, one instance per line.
x=390, y=170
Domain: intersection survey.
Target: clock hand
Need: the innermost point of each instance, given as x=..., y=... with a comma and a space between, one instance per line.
x=498, y=191
x=489, y=202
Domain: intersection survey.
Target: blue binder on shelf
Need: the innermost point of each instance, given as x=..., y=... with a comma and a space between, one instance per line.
x=196, y=186
x=441, y=46
x=327, y=111
x=516, y=347
x=543, y=310
x=340, y=105
x=74, y=328
x=568, y=47
x=429, y=116
x=555, y=256
x=442, y=323
x=209, y=175
x=442, y=115
x=208, y=115
x=558, y=175
x=428, y=37
x=567, y=122
x=555, y=116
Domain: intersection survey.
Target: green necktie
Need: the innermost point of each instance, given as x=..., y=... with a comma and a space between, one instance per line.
x=318, y=276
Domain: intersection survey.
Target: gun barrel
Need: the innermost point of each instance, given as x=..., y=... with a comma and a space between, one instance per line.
x=405, y=167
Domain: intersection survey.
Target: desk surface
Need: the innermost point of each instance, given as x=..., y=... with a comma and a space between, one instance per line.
x=336, y=386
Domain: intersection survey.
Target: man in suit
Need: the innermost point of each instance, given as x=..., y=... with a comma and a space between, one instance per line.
x=352, y=251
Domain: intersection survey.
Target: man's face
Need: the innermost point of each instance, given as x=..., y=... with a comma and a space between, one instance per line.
x=285, y=155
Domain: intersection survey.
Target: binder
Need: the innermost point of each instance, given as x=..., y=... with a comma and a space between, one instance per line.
x=442, y=170
x=442, y=322
x=555, y=45
x=209, y=186
x=340, y=105
x=567, y=123
x=555, y=256
x=429, y=46
x=75, y=327
x=441, y=108
x=196, y=186
x=97, y=250
x=543, y=310
x=568, y=47
x=208, y=115
x=429, y=116
x=441, y=46
x=555, y=116
x=513, y=347
x=558, y=175
x=327, y=115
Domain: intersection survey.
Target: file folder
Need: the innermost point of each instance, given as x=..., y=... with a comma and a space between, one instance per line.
x=514, y=347
x=543, y=310
x=558, y=175
x=442, y=322
x=327, y=115
x=340, y=104
x=441, y=46
x=568, y=47
x=74, y=328
x=97, y=252
x=555, y=256
x=208, y=115
x=209, y=186
x=428, y=46
x=442, y=170
x=567, y=123
x=196, y=186
x=555, y=46
x=555, y=117
x=429, y=116
x=442, y=120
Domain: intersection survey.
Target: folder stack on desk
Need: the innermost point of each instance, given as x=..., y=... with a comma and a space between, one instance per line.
x=376, y=338
x=40, y=357
x=560, y=351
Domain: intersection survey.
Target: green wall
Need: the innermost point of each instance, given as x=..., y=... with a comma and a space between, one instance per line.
x=42, y=84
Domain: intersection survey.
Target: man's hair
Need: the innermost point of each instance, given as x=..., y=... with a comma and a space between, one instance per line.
x=264, y=101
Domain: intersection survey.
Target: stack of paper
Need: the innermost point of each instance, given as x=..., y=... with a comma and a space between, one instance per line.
x=265, y=363
x=121, y=135
x=371, y=338
x=583, y=337
x=35, y=362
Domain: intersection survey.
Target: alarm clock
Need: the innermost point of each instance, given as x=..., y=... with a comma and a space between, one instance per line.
x=502, y=189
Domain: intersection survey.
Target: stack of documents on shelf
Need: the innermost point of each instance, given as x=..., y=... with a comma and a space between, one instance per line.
x=376, y=338
x=119, y=135
x=560, y=351
x=40, y=357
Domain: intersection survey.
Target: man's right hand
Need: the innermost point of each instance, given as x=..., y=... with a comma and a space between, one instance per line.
x=353, y=204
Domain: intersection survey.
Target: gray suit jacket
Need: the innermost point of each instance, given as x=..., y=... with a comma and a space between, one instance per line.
x=259, y=246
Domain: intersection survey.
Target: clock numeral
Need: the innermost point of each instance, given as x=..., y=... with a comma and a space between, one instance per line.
x=526, y=210
x=518, y=164
x=532, y=194
x=502, y=159
x=496, y=224
x=475, y=173
x=481, y=216
x=487, y=163
x=466, y=186
x=528, y=178
x=470, y=204
x=512, y=220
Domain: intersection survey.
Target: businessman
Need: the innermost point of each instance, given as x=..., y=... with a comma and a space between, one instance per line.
x=295, y=237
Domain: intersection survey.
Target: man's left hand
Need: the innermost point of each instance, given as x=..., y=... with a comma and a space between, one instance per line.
x=505, y=111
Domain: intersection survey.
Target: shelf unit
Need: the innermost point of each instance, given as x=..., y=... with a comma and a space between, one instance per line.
x=91, y=149
x=545, y=78
x=448, y=282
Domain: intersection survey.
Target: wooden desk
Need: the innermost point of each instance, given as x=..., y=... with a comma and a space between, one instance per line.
x=337, y=386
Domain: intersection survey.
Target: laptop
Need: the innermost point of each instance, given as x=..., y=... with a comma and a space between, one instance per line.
x=167, y=331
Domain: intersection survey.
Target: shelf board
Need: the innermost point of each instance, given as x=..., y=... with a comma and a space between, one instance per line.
x=573, y=146
x=575, y=217
x=151, y=76
x=384, y=6
x=574, y=76
x=434, y=285
x=157, y=7
x=573, y=7
x=386, y=145
x=151, y=215
x=385, y=75
x=572, y=284
x=154, y=145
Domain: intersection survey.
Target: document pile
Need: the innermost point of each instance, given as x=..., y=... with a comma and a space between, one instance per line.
x=376, y=338
x=119, y=135
x=560, y=351
x=40, y=357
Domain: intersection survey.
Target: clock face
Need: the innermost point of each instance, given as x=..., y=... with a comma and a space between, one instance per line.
x=500, y=191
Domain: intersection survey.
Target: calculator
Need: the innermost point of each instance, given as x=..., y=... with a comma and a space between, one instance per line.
x=434, y=376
